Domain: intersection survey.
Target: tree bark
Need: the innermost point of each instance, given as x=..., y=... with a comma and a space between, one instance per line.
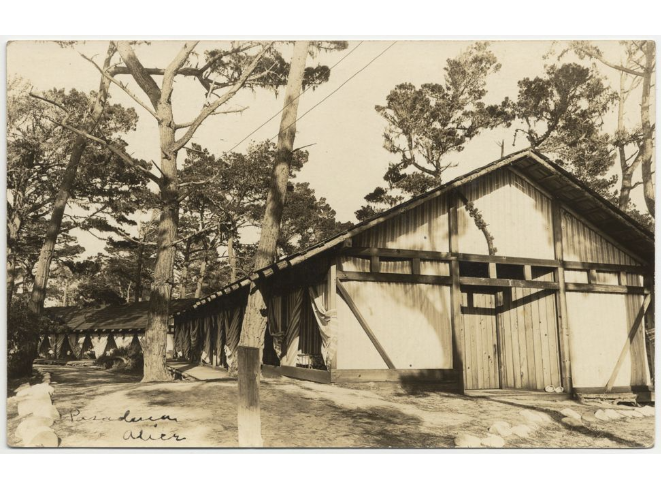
x=203, y=271
x=137, y=293
x=161, y=291
x=231, y=258
x=254, y=322
x=627, y=169
x=38, y=295
x=647, y=149
x=14, y=225
x=184, y=270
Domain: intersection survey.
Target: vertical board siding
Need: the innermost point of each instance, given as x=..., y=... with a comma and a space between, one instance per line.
x=599, y=324
x=481, y=358
x=355, y=263
x=410, y=321
x=581, y=243
x=423, y=228
x=529, y=339
x=517, y=214
x=310, y=338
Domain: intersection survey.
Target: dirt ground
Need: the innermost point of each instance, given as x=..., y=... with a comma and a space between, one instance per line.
x=110, y=409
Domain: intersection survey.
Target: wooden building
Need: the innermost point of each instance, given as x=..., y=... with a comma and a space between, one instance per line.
x=514, y=276
x=92, y=331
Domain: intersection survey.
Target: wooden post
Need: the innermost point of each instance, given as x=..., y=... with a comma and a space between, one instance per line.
x=561, y=299
x=375, y=264
x=331, y=306
x=455, y=294
x=250, y=427
x=527, y=272
x=499, y=338
x=415, y=266
x=493, y=272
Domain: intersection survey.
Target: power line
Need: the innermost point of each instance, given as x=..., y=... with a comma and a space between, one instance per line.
x=293, y=100
x=337, y=89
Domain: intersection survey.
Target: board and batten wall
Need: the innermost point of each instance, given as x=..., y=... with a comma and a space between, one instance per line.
x=410, y=321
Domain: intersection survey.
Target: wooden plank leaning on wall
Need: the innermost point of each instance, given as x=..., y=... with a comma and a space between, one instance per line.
x=561, y=308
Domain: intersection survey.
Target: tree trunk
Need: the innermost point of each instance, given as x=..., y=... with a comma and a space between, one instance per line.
x=13, y=229
x=647, y=149
x=254, y=322
x=203, y=272
x=161, y=290
x=627, y=169
x=231, y=258
x=38, y=295
x=137, y=293
x=184, y=270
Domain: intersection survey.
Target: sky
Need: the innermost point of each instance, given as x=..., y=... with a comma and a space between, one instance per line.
x=344, y=134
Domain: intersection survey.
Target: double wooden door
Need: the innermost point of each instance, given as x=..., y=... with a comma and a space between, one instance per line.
x=510, y=339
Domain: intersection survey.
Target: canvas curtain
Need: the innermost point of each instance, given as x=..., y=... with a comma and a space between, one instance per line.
x=185, y=340
x=327, y=322
x=234, y=317
x=99, y=343
x=206, y=349
x=52, y=339
x=135, y=346
x=123, y=340
x=110, y=344
x=293, y=332
x=178, y=338
x=274, y=308
x=195, y=339
x=59, y=344
x=74, y=345
x=220, y=338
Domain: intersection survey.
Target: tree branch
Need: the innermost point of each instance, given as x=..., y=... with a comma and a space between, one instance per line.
x=123, y=87
x=209, y=109
x=173, y=67
x=139, y=73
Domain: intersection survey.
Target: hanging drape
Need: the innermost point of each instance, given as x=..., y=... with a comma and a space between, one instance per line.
x=110, y=345
x=52, y=339
x=123, y=340
x=178, y=338
x=220, y=339
x=135, y=347
x=234, y=318
x=274, y=308
x=293, y=328
x=185, y=340
x=99, y=342
x=327, y=322
x=206, y=349
x=195, y=340
x=44, y=346
x=59, y=345
x=74, y=345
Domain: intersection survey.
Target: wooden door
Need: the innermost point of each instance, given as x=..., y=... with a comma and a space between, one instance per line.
x=528, y=332
x=480, y=340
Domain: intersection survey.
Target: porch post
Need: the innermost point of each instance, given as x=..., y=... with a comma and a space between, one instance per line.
x=455, y=294
x=561, y=299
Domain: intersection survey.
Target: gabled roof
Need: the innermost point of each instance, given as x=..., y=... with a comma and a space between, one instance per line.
x=546, y=174
x=131, y=316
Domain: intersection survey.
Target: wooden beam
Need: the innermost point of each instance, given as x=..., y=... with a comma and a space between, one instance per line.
x=415, y=266
x=375, y=264
x=592, y=276
x=493, y=273
x=527, y=272
x=363, y=323
x=483, y=258
x=561, y=299
x=500, y=339
x=457, y=322
x=505, y=283
x=394, y=278
x=396, y=253
x=590, y=288
x=331, y=307
x=627, y=343
x=583, y=266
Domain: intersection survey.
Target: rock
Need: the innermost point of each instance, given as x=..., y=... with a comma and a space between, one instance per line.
x=467, y=440
x=612, y=414
x=23, y=386
x=493, y=441
x=44, y=438
x=522, y=431
x=601, y=415
x=636, y=414
x=501, y=428
x=568, y=412
x=29, y=405
x=47, y=411
x=549, y=389
x=589, y=417
x=30, y=424
x=559, y=389
x=625, y=413
x=572, y=422
x=531, y=416
x=43, y=387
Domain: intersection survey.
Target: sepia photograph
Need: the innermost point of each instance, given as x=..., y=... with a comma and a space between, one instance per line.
x=330, y=243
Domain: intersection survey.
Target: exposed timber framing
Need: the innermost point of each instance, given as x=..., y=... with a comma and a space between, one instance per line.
x=627, y=343
x=394, y=278
x=448, y=378
x=561, y=299
x=331, y=305
x=363, y=323
x=456, y=319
